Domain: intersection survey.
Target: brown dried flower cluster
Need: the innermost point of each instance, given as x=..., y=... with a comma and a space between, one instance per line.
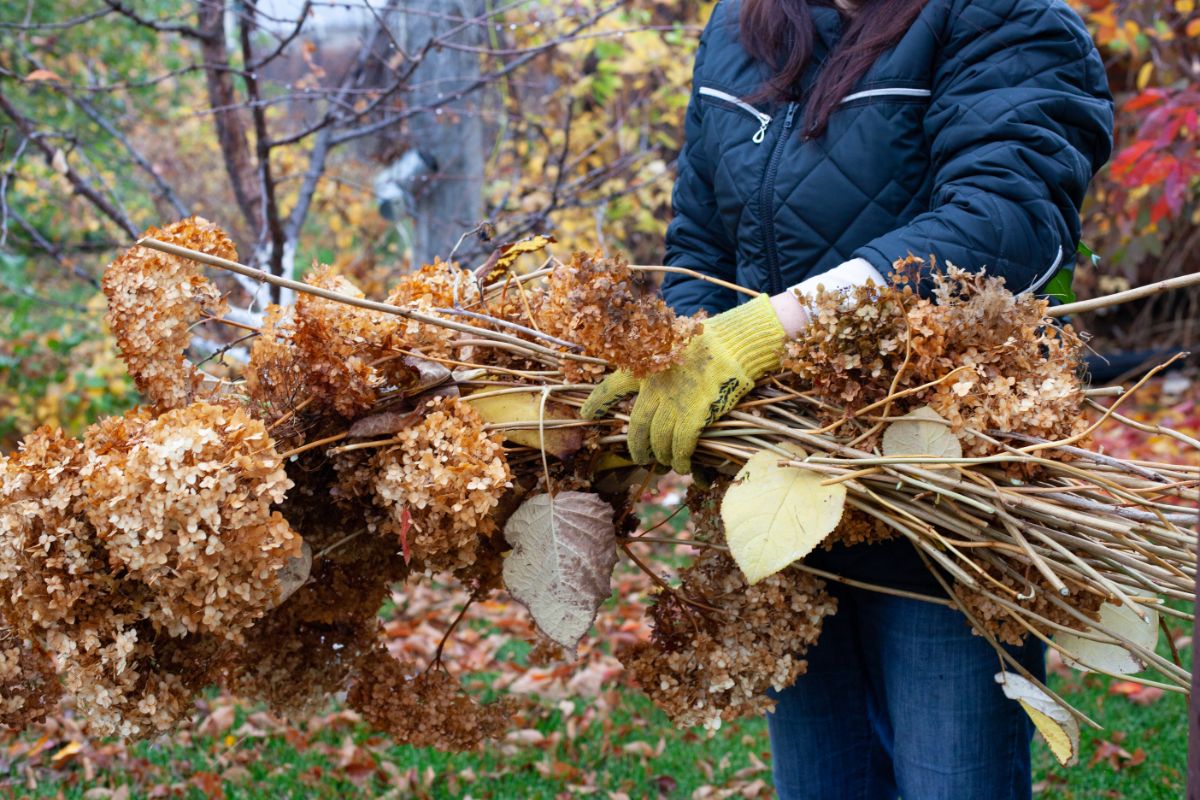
x=58, y=588
x=116, y=550
x=295, y=665
x=182, y=504
x=339, y=345
x=598, y=303
x=858, y=527
x=277, y=378
x=1015, y=371
x=702, y=667
x=1000, y=623
x=704, y=510
x=29, y=686
x=439, y=483
x=343, y=356
x=440, y=285
x=154, y=298
x=51, y=562
x=429, y=709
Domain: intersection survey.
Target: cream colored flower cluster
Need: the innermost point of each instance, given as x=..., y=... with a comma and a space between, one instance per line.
x=185, y=509
x=132, y=556
x=56, y=589
x=991, y=358
x=153, y=300
x=438, y=484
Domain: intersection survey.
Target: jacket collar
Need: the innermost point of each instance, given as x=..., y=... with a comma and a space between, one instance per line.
x=828, y=24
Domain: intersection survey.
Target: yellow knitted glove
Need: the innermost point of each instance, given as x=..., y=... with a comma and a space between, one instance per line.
x=718, y=368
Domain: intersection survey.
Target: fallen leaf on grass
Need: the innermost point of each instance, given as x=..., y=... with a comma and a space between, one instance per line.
x=666, y=785
x=1136, y=692
x=70, y=749
x=219, y=721
x=1115, y=755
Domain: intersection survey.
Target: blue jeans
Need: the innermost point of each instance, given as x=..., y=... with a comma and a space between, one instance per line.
x=900, y=701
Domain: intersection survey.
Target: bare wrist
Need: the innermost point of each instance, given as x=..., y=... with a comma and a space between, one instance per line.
x=793, y=316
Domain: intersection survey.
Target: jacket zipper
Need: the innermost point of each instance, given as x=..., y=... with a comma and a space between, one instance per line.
x=763, y=119
x=766, y=205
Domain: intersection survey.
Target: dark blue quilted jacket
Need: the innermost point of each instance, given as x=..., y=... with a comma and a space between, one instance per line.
x=973, y=140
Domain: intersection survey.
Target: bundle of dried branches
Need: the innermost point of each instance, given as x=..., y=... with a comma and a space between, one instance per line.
x=957, y=422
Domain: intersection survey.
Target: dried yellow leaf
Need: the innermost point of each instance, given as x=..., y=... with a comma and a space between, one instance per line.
x=1056, y=724
x=922, y=432
x=776, y=515
x=527, y=408
x=1089, y=655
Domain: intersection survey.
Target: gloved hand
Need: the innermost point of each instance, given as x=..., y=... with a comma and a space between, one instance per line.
x=719, y=366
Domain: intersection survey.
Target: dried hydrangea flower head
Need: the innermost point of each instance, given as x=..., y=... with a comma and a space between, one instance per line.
x=994, y=619
x=128, y=681
x=185, y=509
x=154, y=298
x=276, y=376
x=1023, y=371
x=29, y=686
x=703, y=668
x=598, y=303
x=440, y=285
x=439, y=483
x=429, y=709
x=294, y=664
x=337, y=345
x=50, y=559
x=1016, y=371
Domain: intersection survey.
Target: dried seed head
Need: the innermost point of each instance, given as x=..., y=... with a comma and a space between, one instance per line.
x=184, y=508
x=154, y=298
x=598, y=303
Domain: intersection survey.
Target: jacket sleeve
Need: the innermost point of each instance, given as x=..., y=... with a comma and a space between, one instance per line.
x=1020, y=119
x=696, y=238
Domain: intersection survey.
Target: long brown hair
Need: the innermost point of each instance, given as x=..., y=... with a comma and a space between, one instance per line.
x=780, y=34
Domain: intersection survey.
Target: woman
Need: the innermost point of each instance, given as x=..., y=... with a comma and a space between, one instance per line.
x=824, y=141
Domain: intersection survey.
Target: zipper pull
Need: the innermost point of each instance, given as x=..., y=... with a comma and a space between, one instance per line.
x=763, y=121
x=791, y=113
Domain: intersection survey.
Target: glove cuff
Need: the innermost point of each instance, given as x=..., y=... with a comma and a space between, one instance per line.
x=752, y=335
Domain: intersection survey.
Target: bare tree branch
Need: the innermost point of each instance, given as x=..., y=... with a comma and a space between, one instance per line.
x=154, y=24
x=94, y=114
x=484, y=80
x=271, y=229
x=52, y=250
x=80, y=184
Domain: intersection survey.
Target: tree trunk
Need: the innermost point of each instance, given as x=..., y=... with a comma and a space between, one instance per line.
x=447, y=201
x=227, y=113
